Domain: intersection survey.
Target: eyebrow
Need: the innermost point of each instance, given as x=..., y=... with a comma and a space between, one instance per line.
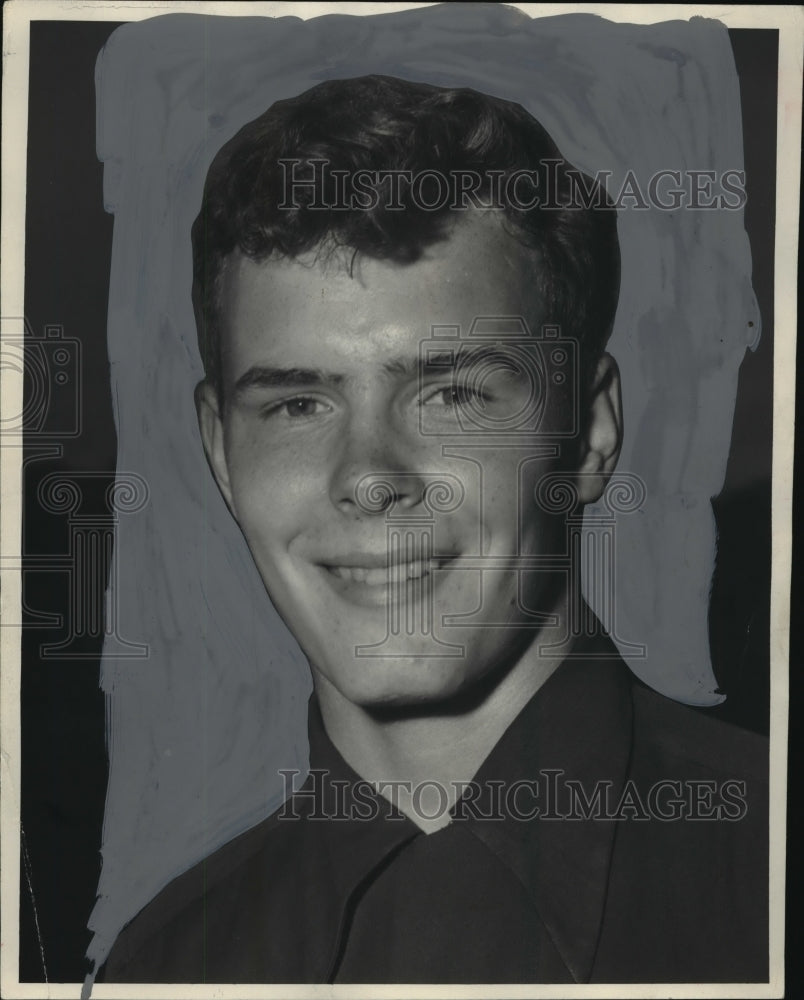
x=267, y=377
x=433, y=362
x=447, y=361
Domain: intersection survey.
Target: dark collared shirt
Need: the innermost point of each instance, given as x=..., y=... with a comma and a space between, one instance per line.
x=611, y=835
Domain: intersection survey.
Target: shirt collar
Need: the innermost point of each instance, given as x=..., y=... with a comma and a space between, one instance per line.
x=340, y=849
x=577, y=728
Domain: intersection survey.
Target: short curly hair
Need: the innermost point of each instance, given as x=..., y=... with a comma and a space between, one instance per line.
x=380, y=125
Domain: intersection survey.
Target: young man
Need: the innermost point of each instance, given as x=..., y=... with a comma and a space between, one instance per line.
x=403, y=296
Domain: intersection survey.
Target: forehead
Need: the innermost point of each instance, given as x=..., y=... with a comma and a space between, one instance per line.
x=369, y=308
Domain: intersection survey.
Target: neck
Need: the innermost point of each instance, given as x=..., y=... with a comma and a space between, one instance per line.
x=398, y=752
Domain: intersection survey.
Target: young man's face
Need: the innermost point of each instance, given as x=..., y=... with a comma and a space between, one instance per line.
x=327, y=412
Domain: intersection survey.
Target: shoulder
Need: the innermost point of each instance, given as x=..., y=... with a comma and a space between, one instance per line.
x=167, y=941
x=687, y=896
x=690, y=739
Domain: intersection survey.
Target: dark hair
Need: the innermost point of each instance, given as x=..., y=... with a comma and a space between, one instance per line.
x=381, y=124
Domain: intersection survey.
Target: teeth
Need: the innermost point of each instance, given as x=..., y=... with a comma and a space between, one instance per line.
x=375, y=577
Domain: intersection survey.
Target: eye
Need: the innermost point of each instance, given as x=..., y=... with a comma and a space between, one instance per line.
x=456, y=395
x=297, y=408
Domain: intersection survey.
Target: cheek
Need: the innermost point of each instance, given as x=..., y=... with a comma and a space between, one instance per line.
x=272, y=488
x=507, y=504
x=512, y=512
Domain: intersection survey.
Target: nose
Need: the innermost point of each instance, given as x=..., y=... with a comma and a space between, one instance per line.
x=375, y=470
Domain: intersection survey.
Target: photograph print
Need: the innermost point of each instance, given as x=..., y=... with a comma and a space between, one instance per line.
x=402, y=546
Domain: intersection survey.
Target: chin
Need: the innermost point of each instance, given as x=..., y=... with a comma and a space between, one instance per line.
x=404, y=685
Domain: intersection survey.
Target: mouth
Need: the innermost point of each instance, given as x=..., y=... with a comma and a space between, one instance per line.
x=378, y=576
x=364, y=582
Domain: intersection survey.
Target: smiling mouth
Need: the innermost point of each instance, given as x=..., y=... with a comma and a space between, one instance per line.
x=370, y=581
x=383, y=575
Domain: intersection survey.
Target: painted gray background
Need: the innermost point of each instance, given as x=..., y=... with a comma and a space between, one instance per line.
x=198, y=730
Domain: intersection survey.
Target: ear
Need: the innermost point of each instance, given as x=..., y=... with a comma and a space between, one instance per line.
x=210, y=423
x=600, y=446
